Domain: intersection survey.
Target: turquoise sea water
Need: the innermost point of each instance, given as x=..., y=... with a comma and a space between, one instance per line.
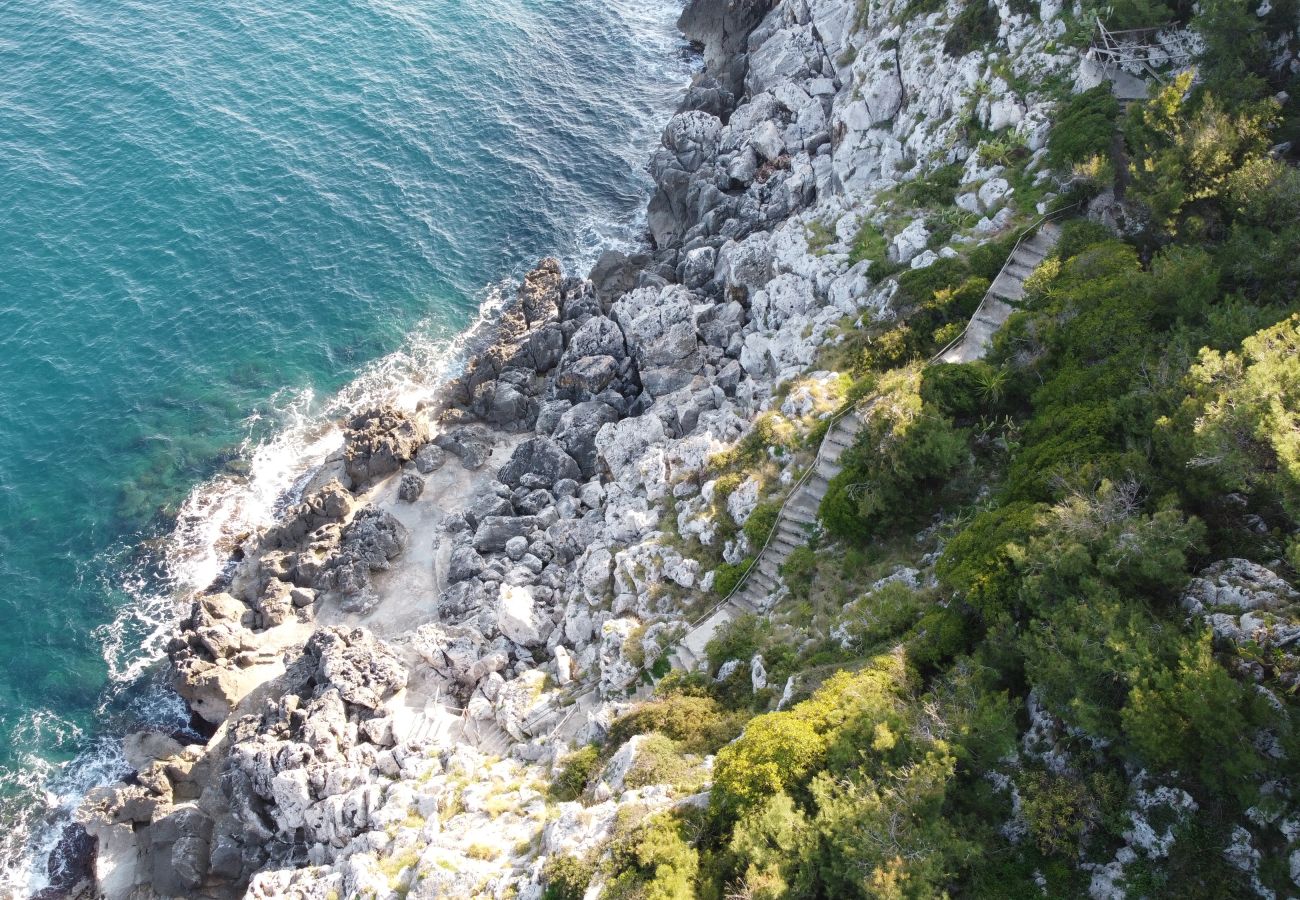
x=222, y=223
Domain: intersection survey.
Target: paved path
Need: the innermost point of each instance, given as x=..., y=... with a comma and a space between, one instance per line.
x=800, y=512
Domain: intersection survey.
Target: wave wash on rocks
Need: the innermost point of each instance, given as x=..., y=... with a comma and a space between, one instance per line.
x=469, y=589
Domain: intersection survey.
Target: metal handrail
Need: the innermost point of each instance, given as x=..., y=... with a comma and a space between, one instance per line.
x=789, y=498
x=1032, y=228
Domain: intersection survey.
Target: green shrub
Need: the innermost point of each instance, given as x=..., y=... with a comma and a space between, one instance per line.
x=1084, y=127
x=975, y=26
x=1078, y=235
x=798, y=570
x=963, y=390
x=937, y=189
x=740, y=638
x=1185, y=150
x=728, y=575
x=761, y=522
x=659, y=760
x=566, y=878
x=725, y=486
x=700, y=724
x=872, y=245
x=1191, y=716
x=987, y=259
x=577, y=771
x=906, y=452
x=940, y=636
x=651, y=859
x=883, y=614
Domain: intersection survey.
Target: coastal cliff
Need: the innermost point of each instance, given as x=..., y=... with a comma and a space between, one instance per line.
x=394, y=678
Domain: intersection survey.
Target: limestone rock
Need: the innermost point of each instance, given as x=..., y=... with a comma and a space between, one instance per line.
x=378, y=441
x=364, y=669
x=519, y=618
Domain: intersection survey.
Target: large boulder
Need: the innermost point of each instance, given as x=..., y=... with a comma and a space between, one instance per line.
x=519, y=617
x=368, y=543
x=577, y=429
x=723, y=31
x=538, y=462
x=364, y=669
x=378, y=441
x=539, y=295
x=615, y=273
x=471, y=444
x=597, y=336
x=494, y=531
x=178, y=853
x=450, y=650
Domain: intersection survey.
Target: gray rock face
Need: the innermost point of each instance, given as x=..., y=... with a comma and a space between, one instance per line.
x=542, y=458
x=471, y=444
x=377, y=442
x=598, y=336
x=615, y=273
x=330, y=504
x=539, y=295
x=577, y=429
x=368, y=543
x=178, y=852
x=429, y=459
x=465, y=564
x=587, y=377
x=494, y=531
x=723, y=30
x=361, y=667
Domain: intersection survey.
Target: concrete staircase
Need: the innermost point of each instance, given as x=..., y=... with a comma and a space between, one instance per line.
x=799, y=514
x=1004, y=295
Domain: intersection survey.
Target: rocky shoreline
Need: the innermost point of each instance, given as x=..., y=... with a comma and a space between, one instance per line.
x=498, y=558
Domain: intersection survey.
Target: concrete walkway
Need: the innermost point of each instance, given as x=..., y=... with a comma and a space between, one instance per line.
x=800, y=512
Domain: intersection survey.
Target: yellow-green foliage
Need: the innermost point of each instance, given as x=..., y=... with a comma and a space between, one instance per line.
x=700, y=724
x=781, y=749
x=841, y=795
x=1186, y=147
x=651, y=859
x=905, y=451
x=660, y=760
x=1243, y=411
x=576, y=771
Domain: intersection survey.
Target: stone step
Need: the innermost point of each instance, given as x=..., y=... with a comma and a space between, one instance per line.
x=682, y=658
x=829, y=468
x=1021, y=270
x=783, y=539
x=1008, y=287
x=770, y=567
x=841, y=436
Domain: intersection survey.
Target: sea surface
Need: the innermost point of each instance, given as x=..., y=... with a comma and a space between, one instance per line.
x=222, y=226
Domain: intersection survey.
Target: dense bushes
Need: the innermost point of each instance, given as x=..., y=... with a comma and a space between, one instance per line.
x=906, y=450
x=700, y=724
x=1084, y=127
x=1138, y=419
x=1186, y=146
x=975, y=26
